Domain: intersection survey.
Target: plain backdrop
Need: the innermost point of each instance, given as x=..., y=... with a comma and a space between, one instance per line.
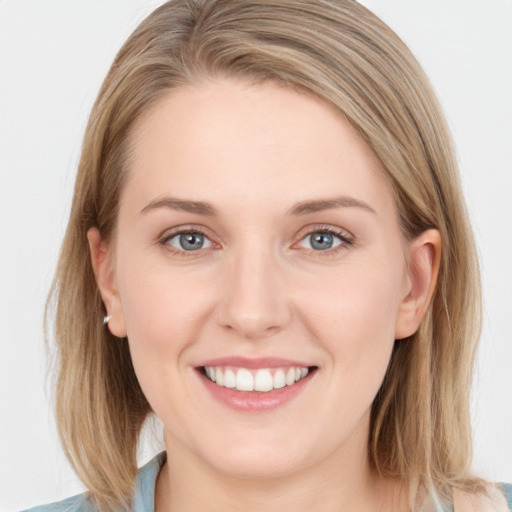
x=53, y=57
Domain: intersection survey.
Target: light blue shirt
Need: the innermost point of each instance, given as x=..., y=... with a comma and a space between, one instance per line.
x=144, y=499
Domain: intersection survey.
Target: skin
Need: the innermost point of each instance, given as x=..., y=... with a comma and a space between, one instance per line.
x=257, y=288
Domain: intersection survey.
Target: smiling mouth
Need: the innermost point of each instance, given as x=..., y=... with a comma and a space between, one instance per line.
x=262, y=380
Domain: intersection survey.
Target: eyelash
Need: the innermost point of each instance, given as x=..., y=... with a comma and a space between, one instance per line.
x=346, y=240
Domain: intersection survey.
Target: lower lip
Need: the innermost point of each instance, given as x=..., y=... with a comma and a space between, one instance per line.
x=255, y=401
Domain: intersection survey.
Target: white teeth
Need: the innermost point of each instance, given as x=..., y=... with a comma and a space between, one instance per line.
x=279, y=379
x=261, y=380
x=229, y=379
x=244, y=380
x=290, y=377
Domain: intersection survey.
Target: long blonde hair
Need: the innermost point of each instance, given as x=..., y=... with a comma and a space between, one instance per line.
x=342, y=53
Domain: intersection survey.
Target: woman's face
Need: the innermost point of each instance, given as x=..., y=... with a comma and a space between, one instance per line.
x=257, y=243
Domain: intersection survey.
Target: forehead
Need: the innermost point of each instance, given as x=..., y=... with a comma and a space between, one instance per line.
x=264, y=143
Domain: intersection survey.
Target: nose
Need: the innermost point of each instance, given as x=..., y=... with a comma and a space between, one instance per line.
x=254, y=300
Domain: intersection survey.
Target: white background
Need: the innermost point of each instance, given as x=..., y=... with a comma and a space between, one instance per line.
x=53, y=56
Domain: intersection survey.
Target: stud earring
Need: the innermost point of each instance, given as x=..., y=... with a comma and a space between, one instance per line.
x=106, y=319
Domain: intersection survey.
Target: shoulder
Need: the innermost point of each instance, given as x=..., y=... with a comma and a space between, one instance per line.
x=507, y=491
x=78, y=503
x=143, y=497
x=498, y=498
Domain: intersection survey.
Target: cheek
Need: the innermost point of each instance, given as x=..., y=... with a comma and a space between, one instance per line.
x=163, y=320
x=354, y=319
x=356, y=302
x=162, y=311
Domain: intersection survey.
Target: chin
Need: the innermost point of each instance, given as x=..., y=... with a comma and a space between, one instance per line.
x=258, y=467
x=259, y=457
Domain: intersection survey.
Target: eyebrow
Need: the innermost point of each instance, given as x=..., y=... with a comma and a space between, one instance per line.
x=318, y=205
x=199, y=207
x=302, y=208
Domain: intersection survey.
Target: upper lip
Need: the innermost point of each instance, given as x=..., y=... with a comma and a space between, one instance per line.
x=254, y=363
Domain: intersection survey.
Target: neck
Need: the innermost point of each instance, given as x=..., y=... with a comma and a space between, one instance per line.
x=342, y=482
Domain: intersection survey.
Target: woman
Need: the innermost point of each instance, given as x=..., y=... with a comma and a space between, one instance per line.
x=269, y=250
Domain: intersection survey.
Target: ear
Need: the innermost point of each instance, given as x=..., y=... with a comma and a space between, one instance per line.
x=102, y=263
x=424, y=257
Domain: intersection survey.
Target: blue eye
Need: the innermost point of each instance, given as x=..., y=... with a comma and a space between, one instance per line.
x=322, y=240
x=319, y=240
x=191, y=241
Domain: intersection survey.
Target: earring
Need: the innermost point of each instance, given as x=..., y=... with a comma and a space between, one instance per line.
x=106, y=319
